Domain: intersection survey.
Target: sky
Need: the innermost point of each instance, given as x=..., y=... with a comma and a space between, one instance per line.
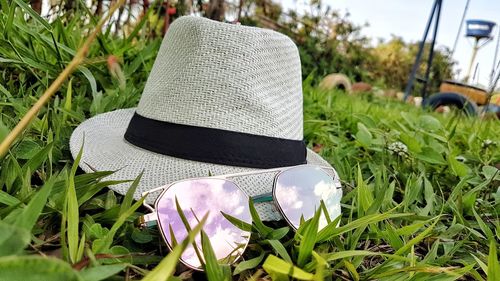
x=408, y=18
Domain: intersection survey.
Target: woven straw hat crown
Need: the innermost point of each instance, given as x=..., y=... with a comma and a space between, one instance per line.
x=224, y=76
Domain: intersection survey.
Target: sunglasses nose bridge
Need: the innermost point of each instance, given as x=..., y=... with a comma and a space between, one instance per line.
x=147, y=220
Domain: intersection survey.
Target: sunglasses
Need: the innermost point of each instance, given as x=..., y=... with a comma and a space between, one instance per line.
x=297, y=193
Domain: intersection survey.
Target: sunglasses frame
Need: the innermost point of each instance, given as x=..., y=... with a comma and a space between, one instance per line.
x=152, y=219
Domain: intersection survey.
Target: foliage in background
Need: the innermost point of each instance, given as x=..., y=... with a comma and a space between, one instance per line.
x=394, y=61
x=328, y=41
x=422, y=196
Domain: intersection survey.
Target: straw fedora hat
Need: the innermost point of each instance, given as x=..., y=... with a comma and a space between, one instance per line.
x=221, y=98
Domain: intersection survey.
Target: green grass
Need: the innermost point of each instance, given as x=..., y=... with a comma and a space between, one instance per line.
x=421, y=191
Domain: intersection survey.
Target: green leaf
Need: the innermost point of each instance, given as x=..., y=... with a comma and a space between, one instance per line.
x=392, y=237
x=363, y=135
x=237, y=222
x=101, y=272
x=4, y=130
x=493, y=262
x=71, y=211
x=8, y=199
x=458, y=168
x=33, y=14
x=361, y=253
x=93, y=84
x=429, y=123
x=27, y=149
x=258, y=224
x=10, y=20
x=34, y=268
x=483, y=266
x=411, y=142
x=430, y=197
x=417, y=238
x=352, y=270
x=328, y=233
x=308, y=239
x=430, y=155
x=188, y=228
x=13, y=239
x=275, y=266
x=365, y=196
x=321, y=264
x=484, y=227
x=279, y=233
x=29, y=215
x=34, y=162
x=489, y=172
x=249, y=264
x=119, y=222
x=167, y=266
x=280, y=249
x=213, y=270
x=129, y=196
x=81, y=247
x=68, y=101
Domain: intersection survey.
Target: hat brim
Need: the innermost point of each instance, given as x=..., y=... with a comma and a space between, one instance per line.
x=105, y=149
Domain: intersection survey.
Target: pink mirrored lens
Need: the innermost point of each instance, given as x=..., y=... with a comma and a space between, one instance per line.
x=196, y=198
x=299, y=192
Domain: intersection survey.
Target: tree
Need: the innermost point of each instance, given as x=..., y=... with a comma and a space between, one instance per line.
x=215, y=10
x=36, y=5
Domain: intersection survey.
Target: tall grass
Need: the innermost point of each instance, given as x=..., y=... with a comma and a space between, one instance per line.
x=421, y=191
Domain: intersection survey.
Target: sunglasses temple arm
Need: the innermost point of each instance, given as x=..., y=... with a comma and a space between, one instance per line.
x=148, y=220
x=261, y=198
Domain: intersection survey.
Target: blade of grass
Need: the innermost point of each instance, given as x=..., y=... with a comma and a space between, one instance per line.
x=308, y=240
x=213, y=270
x=493, y=263
x=29, y=215
x=237, y=222
x=167, y=266
x=129, y=196
x=47, y=95
x=72, y=212
x=249, y=264
x=188, y=228
x=331, y=230
x=276, y=266
x=280, y=249
x=33, y=14
x=261, y=228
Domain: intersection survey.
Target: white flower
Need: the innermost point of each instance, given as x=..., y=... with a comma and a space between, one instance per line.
x=488, y=142
x=398, y=148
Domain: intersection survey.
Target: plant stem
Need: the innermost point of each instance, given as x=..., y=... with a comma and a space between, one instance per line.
x=47, y=95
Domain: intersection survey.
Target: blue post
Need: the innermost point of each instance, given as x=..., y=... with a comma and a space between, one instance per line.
x=413, y=73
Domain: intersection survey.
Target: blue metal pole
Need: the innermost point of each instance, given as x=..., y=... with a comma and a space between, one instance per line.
x=413, y=73
x=431, y=54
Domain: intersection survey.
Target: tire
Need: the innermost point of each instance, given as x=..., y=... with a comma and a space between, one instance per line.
x=451, y=99
x=336, y=81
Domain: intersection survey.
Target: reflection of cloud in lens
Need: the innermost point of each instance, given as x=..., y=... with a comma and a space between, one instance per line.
x=238, y=211
x=291, y=200
x=196, y=198
x=299, y=191
x=225, y=241
x=331, y=198
x=201, y=196
x=321, y=187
